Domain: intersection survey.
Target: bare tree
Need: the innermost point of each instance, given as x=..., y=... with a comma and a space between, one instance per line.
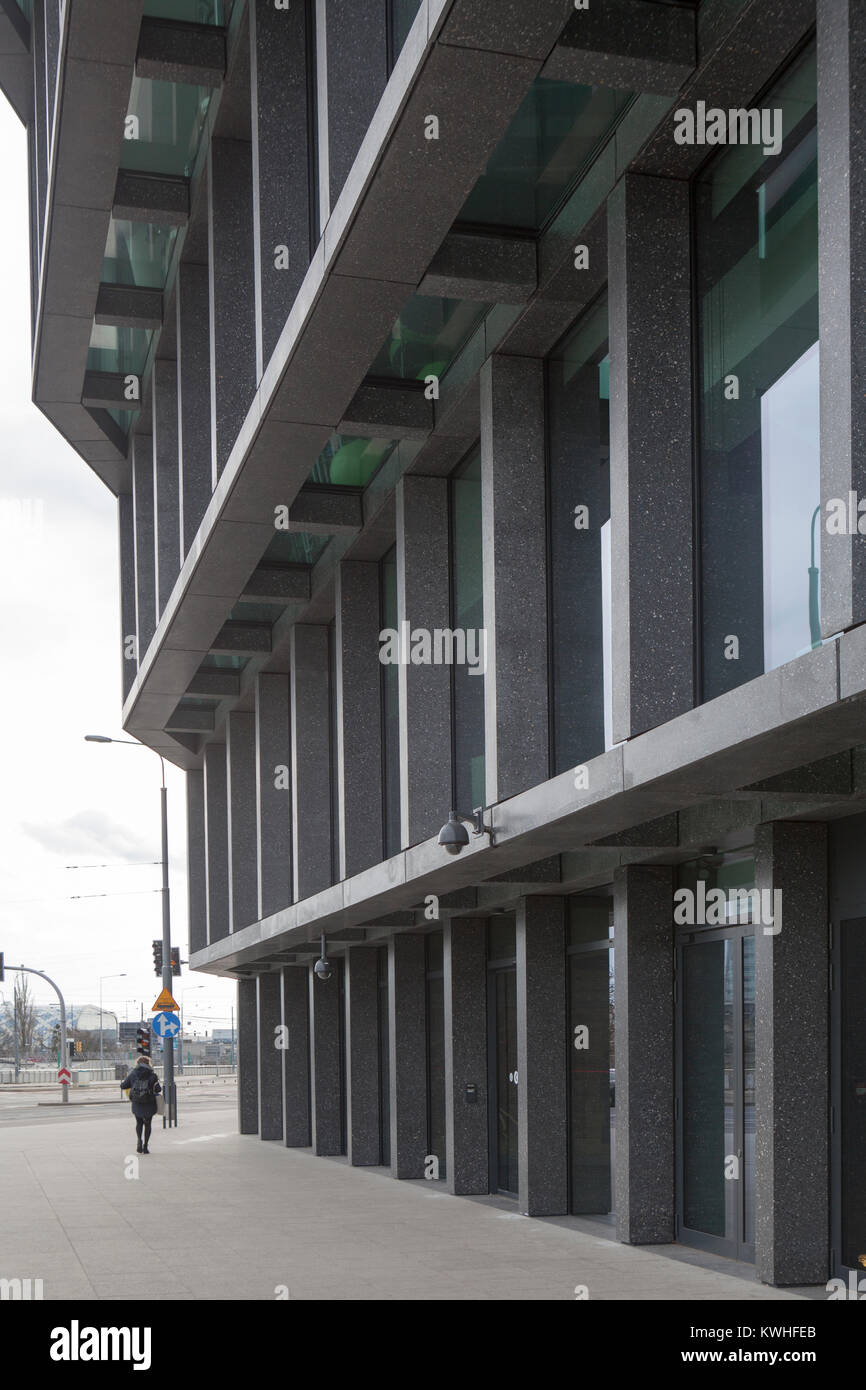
x=25, y=1016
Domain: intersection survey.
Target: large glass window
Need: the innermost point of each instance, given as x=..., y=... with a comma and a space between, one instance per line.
x=191, y=11
x=551, y=140
x=138, y=253
x=467, y=614
x=115, y=349
x=402, y=17
x=164, y=125
x=348, y=460
x=578, y=376
x=427, y=337
x=390, y=710
x=757, y=283
x=590, y=1045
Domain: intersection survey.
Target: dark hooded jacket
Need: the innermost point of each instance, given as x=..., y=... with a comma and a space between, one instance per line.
x=143, y=1109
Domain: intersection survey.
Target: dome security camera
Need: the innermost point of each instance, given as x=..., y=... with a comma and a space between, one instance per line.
x=323, y=969
x=453, y=835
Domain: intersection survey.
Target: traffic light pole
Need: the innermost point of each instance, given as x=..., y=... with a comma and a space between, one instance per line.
x=64, y=1055
x=170, y=1114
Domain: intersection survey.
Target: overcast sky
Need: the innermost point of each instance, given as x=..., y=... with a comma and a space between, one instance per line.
x=63, y=801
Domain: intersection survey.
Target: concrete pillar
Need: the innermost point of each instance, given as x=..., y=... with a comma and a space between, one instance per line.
x=326, y=1044
x=407, y=1048
x=362, y=1055
x=841, y=299
x=193, y=387
x=323, y=179
x=357, y=58
x=241, y=796
x=216, y=841
x=650, y=452
x=248, y=1057
x=166, y=480
x=232, y=294
x=514, y=534
x=145, y=555
x=423, y=600
x=644, y=1046
x=128, y=642
x=273, y=793
x=296, y=1059
x=792, y=1057
x=542, y=1092
x=467, y=1160
x=271, y=1054
x=359, y=716
x=311, y=755
x=196, y=859
x=280, y=40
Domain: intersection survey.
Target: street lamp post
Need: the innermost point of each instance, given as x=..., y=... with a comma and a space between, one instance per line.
x=121, y=976
x=170, y=1116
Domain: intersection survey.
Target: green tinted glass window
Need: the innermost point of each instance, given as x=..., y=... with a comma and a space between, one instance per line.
x=501, y=938
x=757, y=274
x=137, y=253
x=427, y=337
x=295, y=548
x=390, y=710
x=190, y=11
x=403, y=14
x=349, y=461
x=164, y=126
x=118, y=349
x=26, y=8
x=551, y=140
x=468, y=615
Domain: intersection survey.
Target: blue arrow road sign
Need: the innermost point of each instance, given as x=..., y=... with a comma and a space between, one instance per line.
x=166, y=1025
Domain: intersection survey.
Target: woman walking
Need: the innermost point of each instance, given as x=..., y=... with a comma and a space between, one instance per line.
x=143, y=1088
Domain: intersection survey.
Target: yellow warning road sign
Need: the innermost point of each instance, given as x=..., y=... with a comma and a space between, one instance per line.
x=165, y=1001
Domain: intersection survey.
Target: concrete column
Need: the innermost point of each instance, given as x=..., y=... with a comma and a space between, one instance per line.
x=467, y=1160
x=357, y=58
x=323, y=179
x=296, y=1059
x=241, y=796
x=248, y=1057
x=644, y=1045
x=279, y=41
x=232, y=295
x=359, y=716
x=362, y=1055
x=792, y=1057
x=271, y=1085
x=216, y=841
x=145, y=555
x=273, y=793
x=650, y=453
x=841, y=299
x=193, y=387
x=407, y=1047
x=423, y=600
x=542, y=1092
x=128, y=641
x=196, y=859
x=311, y=753
x=514, y=532
x=166, y=480
x=326, y=1043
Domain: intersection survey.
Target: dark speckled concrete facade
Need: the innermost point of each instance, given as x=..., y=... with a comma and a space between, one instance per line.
x=255, y=660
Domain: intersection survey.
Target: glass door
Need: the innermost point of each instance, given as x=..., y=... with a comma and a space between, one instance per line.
x=504, y=1080
x=716, y=1091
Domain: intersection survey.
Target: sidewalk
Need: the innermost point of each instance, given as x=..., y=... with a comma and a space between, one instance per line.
x=226, y=1216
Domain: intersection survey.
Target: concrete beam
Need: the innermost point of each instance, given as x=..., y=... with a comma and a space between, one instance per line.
x=108, y=391
x=242, y=639
x=173, y=51
x=388, y=412
x=160, y=198
x=278, y=584
x=191, y=721
x=129, y=306
x=630, y=44
x=489, y=269
x=215, y=682
x=323, y=511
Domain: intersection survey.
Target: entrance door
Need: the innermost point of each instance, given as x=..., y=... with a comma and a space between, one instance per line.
x=849, y=1096
x=716, y=1092
x=504, y=1080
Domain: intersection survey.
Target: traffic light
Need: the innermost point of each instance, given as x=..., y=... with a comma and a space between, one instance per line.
x=142, y=1038
x=175, y=960
x=157, y=958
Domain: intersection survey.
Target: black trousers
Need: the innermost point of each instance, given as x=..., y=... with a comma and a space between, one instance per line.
x=142, y=1130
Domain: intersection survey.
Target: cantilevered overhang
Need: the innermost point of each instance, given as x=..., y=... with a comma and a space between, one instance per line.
x=399, y=202
x=16, y=62
x=96, y=64
x=807, y=710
